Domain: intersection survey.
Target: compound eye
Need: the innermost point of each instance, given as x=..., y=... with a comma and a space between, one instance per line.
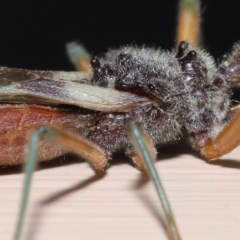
x=151, y=86
x=95, y=63
x=183, y=46
x=192, y=55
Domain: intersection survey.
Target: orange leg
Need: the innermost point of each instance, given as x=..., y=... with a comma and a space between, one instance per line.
x=188, y=22
x=96, y=156
x=225, y=142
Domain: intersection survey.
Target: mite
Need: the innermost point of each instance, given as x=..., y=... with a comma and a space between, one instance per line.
x=171, y=94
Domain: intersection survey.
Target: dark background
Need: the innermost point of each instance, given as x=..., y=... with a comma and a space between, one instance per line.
x=33, y=34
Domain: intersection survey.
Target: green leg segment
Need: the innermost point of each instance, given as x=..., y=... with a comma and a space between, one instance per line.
x=36, y=136
x=138, y=138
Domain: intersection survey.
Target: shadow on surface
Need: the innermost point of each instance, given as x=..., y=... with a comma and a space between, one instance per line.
x=155, y=210
x=165, y=152
x=171, y=152
x=54, y=197
x=39, y=209
x=64, y=160
x=227, y=163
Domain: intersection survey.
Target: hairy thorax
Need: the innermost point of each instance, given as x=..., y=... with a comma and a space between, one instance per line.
x=186, y=90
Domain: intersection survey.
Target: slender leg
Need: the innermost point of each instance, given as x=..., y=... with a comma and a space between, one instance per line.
x=144, y=148
x=188, y=22
x=91, y=152
x=136, y=156
x=225, y=142
x=88, y=150
x=79, y=56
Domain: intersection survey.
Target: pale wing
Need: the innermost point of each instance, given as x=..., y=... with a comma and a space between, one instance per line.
x=71, y=88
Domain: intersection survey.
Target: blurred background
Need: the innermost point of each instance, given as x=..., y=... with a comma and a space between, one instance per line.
x=34, y=34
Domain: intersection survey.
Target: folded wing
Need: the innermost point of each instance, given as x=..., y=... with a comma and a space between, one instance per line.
x=55, y=87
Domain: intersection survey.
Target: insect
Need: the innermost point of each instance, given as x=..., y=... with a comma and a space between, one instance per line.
x=169, y=93
x=166, y=92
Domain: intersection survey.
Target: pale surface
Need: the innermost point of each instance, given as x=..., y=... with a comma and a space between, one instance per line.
x=204, y=197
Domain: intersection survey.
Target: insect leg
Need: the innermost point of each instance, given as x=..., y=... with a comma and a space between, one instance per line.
x=188, y=22
x=136, y=156
x=225, y=142
x=86, y=149
x=229, y=137
x=144, y=147
x=96, y=156
x=79, y=56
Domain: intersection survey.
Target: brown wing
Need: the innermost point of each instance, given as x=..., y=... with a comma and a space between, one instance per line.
x=71, y=88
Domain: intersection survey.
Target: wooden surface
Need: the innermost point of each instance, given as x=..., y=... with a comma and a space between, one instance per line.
x=69, y=202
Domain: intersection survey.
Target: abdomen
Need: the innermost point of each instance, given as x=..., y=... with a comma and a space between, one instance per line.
x=17, y=121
